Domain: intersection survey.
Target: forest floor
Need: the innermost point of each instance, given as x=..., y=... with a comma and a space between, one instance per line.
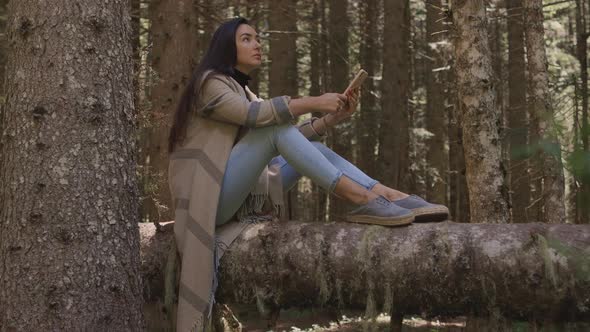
x=321, y=321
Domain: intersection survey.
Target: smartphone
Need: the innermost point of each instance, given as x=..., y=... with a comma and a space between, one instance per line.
x=357, y=80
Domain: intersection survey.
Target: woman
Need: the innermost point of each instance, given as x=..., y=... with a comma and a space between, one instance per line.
x=230, y=151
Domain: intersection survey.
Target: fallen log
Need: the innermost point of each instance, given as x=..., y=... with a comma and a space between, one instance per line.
x=528, y=271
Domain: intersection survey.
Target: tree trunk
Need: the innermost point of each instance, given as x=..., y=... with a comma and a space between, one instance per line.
x=496, y=30
x=174, y=51
x=438, y=158
x=69, y=241
x=395, y=91
x=478, y=114
x=582, y=35
x=459, y=195
x=283, y=79
x=3, y=51
x=135, y=12
x=210, y=15
x=317, y=69
x=3, y=46
x=368, y=102
x=340, y=137
x=520, y=271
x=548, y=155
x=517, y=115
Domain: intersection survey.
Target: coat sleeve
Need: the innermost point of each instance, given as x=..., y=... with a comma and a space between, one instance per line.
x=307, y=130
x=218, y=101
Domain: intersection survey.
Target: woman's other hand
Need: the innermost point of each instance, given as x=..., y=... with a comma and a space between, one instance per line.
x=331, y=102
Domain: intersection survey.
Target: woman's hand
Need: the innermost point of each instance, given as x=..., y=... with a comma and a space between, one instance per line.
x=351, y=106
x=330, y=103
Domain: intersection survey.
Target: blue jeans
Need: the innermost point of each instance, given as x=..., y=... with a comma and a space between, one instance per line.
x=295, y=154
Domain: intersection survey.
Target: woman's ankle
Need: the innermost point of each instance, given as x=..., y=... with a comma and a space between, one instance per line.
x=390, y=194
x=353, y=192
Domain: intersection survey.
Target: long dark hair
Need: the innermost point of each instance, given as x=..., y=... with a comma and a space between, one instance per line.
x=221, y=57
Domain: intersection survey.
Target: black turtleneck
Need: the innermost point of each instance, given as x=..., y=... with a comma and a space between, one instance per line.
x=241, y=78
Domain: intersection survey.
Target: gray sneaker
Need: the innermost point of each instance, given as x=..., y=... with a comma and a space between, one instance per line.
x=380, y=211
x=423, y=210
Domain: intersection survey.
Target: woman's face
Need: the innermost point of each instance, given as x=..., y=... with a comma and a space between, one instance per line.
x=248, y=48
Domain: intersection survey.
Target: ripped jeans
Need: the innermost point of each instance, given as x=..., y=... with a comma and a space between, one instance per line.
x=295, y=155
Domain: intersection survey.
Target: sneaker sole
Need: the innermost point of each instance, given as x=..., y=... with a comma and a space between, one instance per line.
x=383, y=221
x=431, y=214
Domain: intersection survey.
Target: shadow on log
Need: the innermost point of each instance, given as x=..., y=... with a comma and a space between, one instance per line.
x=529, y=271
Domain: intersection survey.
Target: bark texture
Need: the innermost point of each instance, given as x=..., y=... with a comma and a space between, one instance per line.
x=394, y=136
x=338, y=50
x=582, y=35
x=437, y=157
x=459, y=195
x=3, y=46
x=524, y=271
x=479, y=116
x=318, y=78
x=548, y=149
x=368, y=58
x=69, y=241
x=517, y=112
x=283, y=80
x=174, y=57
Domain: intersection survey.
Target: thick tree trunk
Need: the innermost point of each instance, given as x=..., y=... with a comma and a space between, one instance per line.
x=438, y=158
x=3, y=46
x=459, y=195
x=283, y=45
x=517, y=112
x=316, y=205
x=548, y=155
x=479, y=116
x=582, y=35
x=69, y=241
x=282, y=21
x=395, y=90
x=339, y=137
x=524, y=271
x=368, y=103
x=318, y=68
x=135, y=12
x=210, y=16
x=174, y=28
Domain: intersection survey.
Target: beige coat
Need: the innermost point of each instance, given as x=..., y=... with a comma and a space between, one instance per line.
x=195, y=174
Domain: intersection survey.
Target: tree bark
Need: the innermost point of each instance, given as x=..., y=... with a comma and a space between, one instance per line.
x=282, y=21
x=521, y=271
x=459, y=195
x=319, y=67
x=438, y=158
x=174, y=58
x=69, y=241
x=394, y=136
x=548, y=149
x=479, y=116
x=582, y=35
x=517, y=112
x=3, y=46
x=368, y=101
x=339, y=137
